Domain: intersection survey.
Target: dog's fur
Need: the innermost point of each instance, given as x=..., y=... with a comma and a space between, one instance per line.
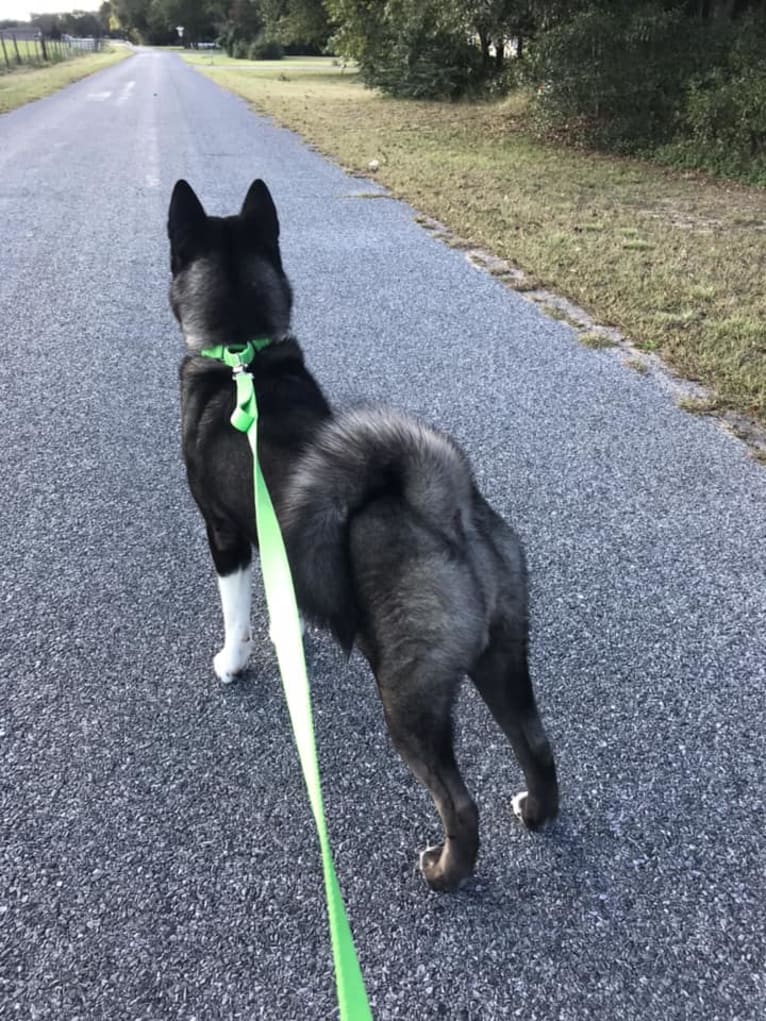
x=390, y=543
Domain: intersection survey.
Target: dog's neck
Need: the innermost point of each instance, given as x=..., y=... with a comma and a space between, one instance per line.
x=269, y=351
x=237, y=356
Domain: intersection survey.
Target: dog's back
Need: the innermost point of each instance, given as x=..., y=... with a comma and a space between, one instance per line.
x=389, y=540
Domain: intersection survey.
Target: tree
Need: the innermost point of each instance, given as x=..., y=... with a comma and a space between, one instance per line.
x=361, y=31
x=82, y=24
x=48, y=24
x=297, y=22
x=155, y=21
x=429, y=47
x=132, y=16
x=196, y=16
x=242, y=24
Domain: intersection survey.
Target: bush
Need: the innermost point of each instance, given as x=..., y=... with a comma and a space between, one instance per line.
x=266, y=49
x=724, y=129
x=722, y=115
x=429, y=67
x=614, y=77
x=423, y=49
x=722, y=124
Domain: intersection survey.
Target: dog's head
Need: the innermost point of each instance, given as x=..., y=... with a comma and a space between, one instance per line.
x=228, y=284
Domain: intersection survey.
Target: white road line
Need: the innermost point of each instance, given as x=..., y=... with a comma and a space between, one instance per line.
x=151, y=150
x=99, y=97
x=127, y=89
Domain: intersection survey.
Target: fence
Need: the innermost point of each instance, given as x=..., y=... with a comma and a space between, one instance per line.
x=21, y=48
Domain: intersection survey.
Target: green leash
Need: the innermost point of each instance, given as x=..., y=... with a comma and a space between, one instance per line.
x=286, y=634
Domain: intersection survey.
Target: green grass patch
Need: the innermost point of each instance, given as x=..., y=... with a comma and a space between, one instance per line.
x=29, y=83
x=265, y=68
x=27, y=51
x=674, y=261
x=596, y=341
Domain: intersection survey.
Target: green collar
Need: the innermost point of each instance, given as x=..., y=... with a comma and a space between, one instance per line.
x=236, y=355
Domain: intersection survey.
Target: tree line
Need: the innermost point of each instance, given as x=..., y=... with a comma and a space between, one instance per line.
x=80, y=24
x=237, y=25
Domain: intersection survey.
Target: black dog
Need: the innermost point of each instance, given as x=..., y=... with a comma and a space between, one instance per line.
x=390, y=543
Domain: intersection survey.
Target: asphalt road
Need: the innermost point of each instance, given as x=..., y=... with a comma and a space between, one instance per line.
x=157, y=856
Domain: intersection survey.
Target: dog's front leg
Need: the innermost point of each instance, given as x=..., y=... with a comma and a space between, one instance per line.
x=231, y=554
x=235, y=602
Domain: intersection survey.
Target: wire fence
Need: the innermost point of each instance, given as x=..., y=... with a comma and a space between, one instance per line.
x=19, y=49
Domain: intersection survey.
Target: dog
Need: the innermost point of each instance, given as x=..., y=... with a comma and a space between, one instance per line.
x=390, y=543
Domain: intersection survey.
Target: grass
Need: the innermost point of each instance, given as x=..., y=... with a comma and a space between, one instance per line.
x=30, y=51
x=27, y=49
x=675, y=261
x=268, y=68
x=29, y=83
x=596, y=341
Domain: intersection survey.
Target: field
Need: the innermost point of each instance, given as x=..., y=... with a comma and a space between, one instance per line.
x=15, y=54
x=29, y=83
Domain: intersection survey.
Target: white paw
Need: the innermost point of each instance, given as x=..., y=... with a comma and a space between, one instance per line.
x=231, y=661
x=516, y=802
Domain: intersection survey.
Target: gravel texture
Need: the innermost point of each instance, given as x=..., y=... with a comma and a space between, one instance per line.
x=157, y=855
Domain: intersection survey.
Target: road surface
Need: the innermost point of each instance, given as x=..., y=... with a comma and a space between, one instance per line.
x=157, y=856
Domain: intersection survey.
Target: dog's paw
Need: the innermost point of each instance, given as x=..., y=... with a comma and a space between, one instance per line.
x=532, y=812
x=231, y=661
x=428, y=860
x=441, y=870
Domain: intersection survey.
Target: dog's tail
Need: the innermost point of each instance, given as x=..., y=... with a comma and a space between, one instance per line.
x=361, y=456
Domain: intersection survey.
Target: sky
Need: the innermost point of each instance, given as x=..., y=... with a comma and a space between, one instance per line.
x=21, y=9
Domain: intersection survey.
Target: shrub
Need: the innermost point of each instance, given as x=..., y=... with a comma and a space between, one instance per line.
x=614, y=76
x=266, y=49
x=425, y=66
x=722, y=124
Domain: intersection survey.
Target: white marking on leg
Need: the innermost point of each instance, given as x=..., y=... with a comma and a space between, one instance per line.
x=516, y=803
x=235, y=603
x=424, y=852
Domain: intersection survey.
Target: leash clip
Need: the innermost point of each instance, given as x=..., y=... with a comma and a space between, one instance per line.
x=246, y=409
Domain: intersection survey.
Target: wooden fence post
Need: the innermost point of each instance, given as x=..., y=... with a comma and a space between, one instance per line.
x=5, y=52
x=16, y=47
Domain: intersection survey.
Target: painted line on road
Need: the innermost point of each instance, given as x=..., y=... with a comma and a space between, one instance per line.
x=125, y=95
x=151, y=150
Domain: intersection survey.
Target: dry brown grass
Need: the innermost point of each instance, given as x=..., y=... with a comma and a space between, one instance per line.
x=676, y=262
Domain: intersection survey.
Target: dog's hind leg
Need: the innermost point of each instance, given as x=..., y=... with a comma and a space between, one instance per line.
x=231, y=556
x=418, y=704
x=501, y=676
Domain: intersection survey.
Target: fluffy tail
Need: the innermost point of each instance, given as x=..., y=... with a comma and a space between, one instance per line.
x=360, y=456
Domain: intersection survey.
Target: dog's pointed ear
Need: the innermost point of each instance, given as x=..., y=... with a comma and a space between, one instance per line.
x=259, y=209
x=187, y=221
